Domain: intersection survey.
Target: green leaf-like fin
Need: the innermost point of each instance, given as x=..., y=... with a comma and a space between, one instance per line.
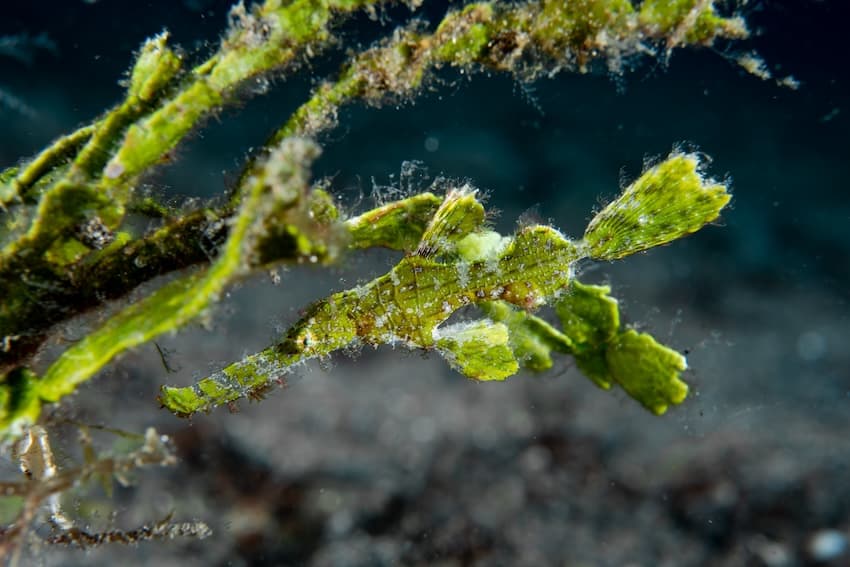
x=66, y=248
x=478, y=350
x=669, y=201
x=605, y=352
x=458, y=262
x=398, y=225
x=459, y=215
x=648, y=371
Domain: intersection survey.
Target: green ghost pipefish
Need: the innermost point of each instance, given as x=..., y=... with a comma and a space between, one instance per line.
x=458, y=262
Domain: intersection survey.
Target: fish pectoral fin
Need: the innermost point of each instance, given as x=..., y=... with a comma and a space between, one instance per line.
x=479, y=350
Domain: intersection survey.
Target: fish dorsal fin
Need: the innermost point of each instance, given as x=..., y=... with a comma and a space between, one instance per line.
x=460, y=214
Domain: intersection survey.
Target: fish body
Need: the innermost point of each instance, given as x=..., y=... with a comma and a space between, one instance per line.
x=410, y=302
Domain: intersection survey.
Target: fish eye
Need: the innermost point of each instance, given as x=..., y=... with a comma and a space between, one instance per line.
x=305, y=339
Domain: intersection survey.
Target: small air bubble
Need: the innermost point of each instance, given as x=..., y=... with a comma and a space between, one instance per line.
x=811, y=346
x=828, y=545
x=432, y=144
x=830, y=115
x=113, y=170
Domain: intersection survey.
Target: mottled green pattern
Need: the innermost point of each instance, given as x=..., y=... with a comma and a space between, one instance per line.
x=282, y=187
x=89, y=176
x=65, y=247
x=666, y=203
x=459, y=263
x=528, y=39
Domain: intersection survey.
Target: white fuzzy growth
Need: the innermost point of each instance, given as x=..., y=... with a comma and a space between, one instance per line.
x=260, y=364
x=362, y=291
x=462, y=274
x=467, y=189
x=455, y=331
x=754, y=65
x=483, y=246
